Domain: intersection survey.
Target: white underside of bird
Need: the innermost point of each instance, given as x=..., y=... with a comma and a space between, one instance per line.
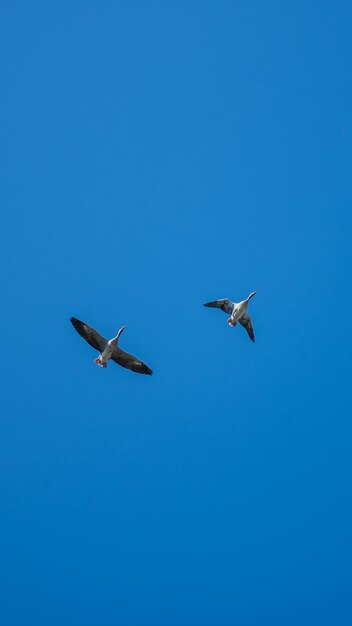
x=105, y=356
x=239, y=310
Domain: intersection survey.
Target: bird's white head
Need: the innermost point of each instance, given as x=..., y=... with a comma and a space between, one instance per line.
x=121, y=331
x=114, y=340
x=251, y=295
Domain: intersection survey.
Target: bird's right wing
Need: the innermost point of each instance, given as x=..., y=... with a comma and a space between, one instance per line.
x=89, y=334
x=225, y=305
x=130, y=362
x=246, y=322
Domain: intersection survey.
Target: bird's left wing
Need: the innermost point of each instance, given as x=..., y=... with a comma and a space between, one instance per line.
x=89, y=334
x=225, y=305
x=130, y=362
x=246, y=322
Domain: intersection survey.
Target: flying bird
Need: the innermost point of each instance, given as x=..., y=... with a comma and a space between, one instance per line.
x=109, y=349
x=237, y=312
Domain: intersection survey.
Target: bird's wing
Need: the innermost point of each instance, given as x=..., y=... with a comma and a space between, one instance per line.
x=89, y=334
x=225, y=305
x=130, y=362
x=246, y=322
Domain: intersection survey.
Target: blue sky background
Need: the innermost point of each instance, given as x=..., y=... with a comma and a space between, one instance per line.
x=154, y=156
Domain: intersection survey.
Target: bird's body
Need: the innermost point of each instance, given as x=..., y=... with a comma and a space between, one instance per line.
x=237, y=312
x=108, y=351
x=109, y=348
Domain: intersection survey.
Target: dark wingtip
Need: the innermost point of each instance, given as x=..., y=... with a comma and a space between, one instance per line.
x=76, y=323
x=141, y=368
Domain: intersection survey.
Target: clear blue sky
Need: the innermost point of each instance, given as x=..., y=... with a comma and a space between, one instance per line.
x=154, y=156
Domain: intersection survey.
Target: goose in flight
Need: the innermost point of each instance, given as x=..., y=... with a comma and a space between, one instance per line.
x=237, y=312
x=109, y=349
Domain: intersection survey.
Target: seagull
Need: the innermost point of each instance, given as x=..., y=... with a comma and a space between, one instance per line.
x=237, y=312
x=109, y=349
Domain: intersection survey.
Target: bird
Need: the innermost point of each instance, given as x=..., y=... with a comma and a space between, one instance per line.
x=109, y=348
x=237, y=312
